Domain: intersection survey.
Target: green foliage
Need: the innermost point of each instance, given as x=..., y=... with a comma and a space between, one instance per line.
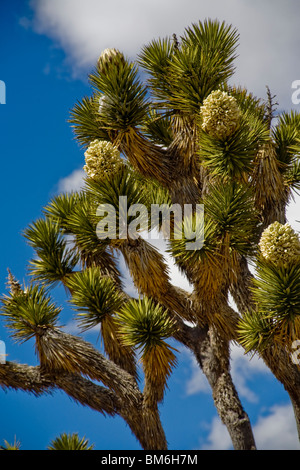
x=230, y=207
x=144, y=324
x=62, y=206
x=181, y=77
x=292, y=176
x=86, y=122
x=124, y=104
x=122, y=184
x=7, y=446
x=70, y=442
x=54, y=260
x=276, y=292
x=255, y=331
x=286, y=138
x=233, y=157
x=94, y=297
x=28, y=312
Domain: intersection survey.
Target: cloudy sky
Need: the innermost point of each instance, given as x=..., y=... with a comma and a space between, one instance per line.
x=48, y=47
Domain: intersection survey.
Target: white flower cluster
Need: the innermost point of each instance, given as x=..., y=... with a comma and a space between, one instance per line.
x=220, y=114
x=280, y=244
x=101, y=158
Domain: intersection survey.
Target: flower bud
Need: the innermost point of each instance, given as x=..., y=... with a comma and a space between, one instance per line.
x=109, y=57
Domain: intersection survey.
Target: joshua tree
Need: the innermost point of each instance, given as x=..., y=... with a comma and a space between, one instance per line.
x=182, y=136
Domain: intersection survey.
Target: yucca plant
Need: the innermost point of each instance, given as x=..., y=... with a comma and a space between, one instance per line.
x=70, y=442
x=181, y=140
x=146, y=326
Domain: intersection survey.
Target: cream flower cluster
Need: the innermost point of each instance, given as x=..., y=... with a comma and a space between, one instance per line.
x=101, y=158
x=280, y=244
x=220, y=114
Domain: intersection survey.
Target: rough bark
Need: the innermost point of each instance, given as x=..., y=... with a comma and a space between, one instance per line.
x=212, y=354
x=143, y=421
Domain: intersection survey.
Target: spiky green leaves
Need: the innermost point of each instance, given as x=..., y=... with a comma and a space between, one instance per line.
x=120, y=206
x=28, y=312
x=55, y=260
x=182, y=76
x=232, y=156
x=94, y=297
x=146, y=325
x=255, y=331
x=125, y=97
x=277, y=319
x=276, y=291
x=86, y=121
x=230, y=229
x=97, y=301
x=70, y=442
x=286, y=138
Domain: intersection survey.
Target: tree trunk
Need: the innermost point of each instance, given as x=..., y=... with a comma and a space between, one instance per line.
x=215, y=362
x=145, y=424
x=212, y=354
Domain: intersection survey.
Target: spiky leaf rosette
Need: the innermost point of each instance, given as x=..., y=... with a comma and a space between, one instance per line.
x=97, y=301
x=28, y=312
x=229, y=229
x=86, y=121
x=81, y=223
x=181, y=76
x=220, y=114
x=280, y=245
x=277, y=294
x=93, y=297
x=101, y=158
x=286, y=139
x=233, y=156
x=115, y=199
x=62, y=206
x=125, y=96
x=55, y=261
x=255, y=331
x=7, y=446
x=276, y=291
x=146, y=326
x=70, y=442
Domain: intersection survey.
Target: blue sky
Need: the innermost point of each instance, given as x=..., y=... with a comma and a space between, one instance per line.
x=47, y=49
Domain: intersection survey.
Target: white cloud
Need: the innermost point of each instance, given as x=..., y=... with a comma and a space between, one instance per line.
x=218, y=437
x=243, y=368
x=293, y=213
x=72, y=182
x=269, y=33
x=275, y=430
